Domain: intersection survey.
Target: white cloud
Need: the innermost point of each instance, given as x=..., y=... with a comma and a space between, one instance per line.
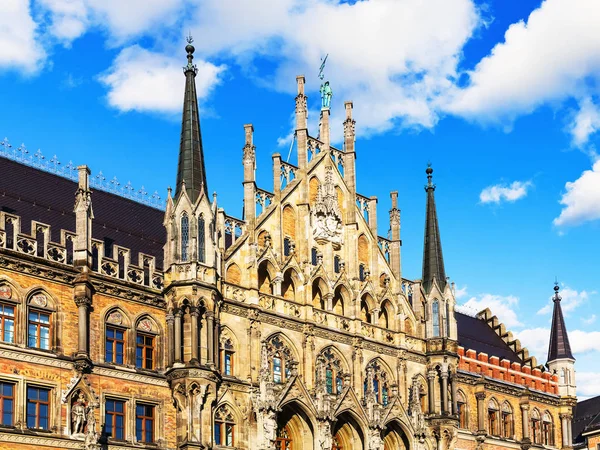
x=585, y=123
x=461, y=292
x=571, y=299
x=502, y=192
x=551, y=57
x=145, y=81
x=19, y=48
x=537, y=339
x=590, y=320
x=504, y=307
x=393, y=58
x=588, y=384
x=123, y=20
x=581, y=201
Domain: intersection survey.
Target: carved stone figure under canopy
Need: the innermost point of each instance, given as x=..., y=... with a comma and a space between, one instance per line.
x=78, y=414
x=326, y=214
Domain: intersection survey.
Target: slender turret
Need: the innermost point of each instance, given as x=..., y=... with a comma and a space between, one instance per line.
x=190, y=169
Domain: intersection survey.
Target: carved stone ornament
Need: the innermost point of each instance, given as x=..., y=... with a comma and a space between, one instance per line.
x=326, y=215
x=145, y=325
x=115, y=317
x=5, y=292
x=39, y=300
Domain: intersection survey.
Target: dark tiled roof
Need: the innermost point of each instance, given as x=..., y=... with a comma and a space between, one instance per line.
x=586, y=416
x=36, y=195
x=475, y=334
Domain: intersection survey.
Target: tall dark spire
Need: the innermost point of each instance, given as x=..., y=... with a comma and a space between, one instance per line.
x=433, y=260
x=191, y=157
x=559, y=347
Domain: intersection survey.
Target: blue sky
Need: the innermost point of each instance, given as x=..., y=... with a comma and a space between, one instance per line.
x=501, y=97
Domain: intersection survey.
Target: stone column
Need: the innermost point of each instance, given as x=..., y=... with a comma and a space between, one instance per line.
x=170, y=318
x=564, y=430
x=277, y=285
x=525, y=424
x=431, y=379
x=480, y=396
x=217, y=334
x=82, y=244
x=375, y=316
x=210, y=325
x=444, y=376
x=83, y=303
x=570, y=431
x=194, y=314
x=454, y=395
x=329, y=301
x=395, y=261
x=178, y=316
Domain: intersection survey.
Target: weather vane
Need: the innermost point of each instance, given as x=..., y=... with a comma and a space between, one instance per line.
x=325, y=89
x=189, y=39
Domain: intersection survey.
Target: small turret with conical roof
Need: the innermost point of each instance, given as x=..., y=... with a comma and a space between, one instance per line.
x=560, y=357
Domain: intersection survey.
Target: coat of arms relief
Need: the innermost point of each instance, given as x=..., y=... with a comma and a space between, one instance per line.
x=326, y=216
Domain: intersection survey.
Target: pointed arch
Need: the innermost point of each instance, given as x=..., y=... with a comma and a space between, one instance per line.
x=233, y=274
x=289, y=222
x=319, y=291
x=349, y=431
x=395, y=436
x=507, y=420
x=463, y=413
x=291, y=280
x=341, y=298
x=435, y=317
x=11, y=311
x=332, y=369
x=536, y=426
x=148, y=343
x=547, y=429
x=363, y=249
x=313, y=189
x=185, y=236
x=43, y=326
x=225, y=425
x=266, y=274
x=201, y=238
x=228, y=346
x=379, y=380
x=366, y=306
x=296, y=427
x=116, y=332
x=493, y=417
x=386, y=314
x=281, y=356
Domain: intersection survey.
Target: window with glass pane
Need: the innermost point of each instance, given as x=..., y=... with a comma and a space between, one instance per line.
x=7, y=403
x=38, y=408
x=336, y=264
x=7, y=323
x=144, y=351
x=313, y=256
x=115, y=345
x=144, y=423
x=114, y=419
x=339, y=385
x=185, y=236
x=384, y=396
x=277, y=374
x=201, y=240
x=286, y=246
x=218, y=437
x=228, y=362
x=435, y=313
x=448, y=318
x=39, y=330
x=361, y=272
x=329, y=381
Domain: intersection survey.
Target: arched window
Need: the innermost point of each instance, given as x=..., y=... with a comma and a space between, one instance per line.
x=227, y=353
x=313, y=256
x=336, y=264
x=447, y=318
x=507, y=421
x=365, y=315
x=279, y=357
x=562, y=376
x=547, y=430
x=264, y=278
x=283, y=441
x=380, y=382
x=331, y=364
x=40, y=322
x=384, y=314
x=435, y=318
x=145, y=344
x=362, y=272
x=201, y=239
x=493, y=427
x=224, y=427
x=338, y=300
x=536, y=432
x=185, y=236
x=461, y=402
x=115, y=337
x=318, y=296
x=288, y=288
x=8, y=314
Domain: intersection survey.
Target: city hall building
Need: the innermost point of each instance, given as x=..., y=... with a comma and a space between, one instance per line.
x=126, y=326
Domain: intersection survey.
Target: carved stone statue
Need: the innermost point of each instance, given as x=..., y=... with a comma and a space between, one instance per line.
x=92, y=437
x=326, y=214
x=326, y=440
x=326, y=94
x=78, y=415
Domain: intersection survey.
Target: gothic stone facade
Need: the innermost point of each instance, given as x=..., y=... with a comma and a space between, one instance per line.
x=290, y=329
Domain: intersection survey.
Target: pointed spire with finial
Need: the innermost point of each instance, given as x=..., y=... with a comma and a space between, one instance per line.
x=433, y=260
x=191, y=173
x=559, y=347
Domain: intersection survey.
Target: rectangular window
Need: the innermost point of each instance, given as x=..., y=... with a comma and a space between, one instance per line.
x=144, y=423
x=7, y=404
x=114, y=418
x=229, y=434
x=329, y=381
x=228, y=362
x=224, y=434
x=38, y=408
x=144, y=352
x=7, y=323
x=218, y=438
x=115, y=345
x=38, y=335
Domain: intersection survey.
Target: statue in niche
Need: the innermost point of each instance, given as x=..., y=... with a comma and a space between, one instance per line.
x=78, y=415
x=326, y=214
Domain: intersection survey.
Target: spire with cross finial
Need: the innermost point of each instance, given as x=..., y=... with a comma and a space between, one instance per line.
x=559, y=347
x=191, y=173
x=433, y=260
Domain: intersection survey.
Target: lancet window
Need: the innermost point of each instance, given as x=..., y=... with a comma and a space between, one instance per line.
x=547, y=429
x=435, y=318
x=185, y=236
x=536, y=432
x=331, y=365
x=279, y=358
x=507, y=420
x=224, y=427
x=461, y=402
x=201, y=239
x=380, y=382
x=493, y=414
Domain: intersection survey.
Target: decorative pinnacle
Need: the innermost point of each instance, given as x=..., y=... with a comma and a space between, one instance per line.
x=190, y=49
x=557, y=298
x=429, y=172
